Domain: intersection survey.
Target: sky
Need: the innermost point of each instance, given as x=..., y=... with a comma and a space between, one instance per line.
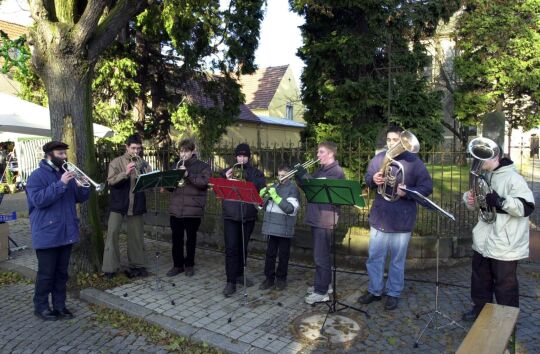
x=280, y=36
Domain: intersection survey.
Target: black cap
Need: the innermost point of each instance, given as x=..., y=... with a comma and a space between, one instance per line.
x=242, y=149
x=54, y=145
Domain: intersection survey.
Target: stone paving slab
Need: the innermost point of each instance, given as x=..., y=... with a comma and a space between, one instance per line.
x=267, y=322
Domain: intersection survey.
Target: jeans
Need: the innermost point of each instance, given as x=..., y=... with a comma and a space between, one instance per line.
x=178, y=225
x=280, y=247
x=493, y=277
x=379, y=244
x=52, y=277
x=234, y=257
x=322, y=239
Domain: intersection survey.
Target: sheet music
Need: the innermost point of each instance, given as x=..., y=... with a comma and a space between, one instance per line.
x=426, y=202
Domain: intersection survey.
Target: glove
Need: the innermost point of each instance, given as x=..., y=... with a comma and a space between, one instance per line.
x=262, y=192
x=300, y=171
x=273, y=194
x=493, y=200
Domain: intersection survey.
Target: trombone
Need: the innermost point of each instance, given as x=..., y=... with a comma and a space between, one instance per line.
x=289, y=174
x=81, y=177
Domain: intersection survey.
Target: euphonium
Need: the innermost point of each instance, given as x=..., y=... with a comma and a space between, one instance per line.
x=181, y=165
x=407, y=142
x=482, y=149
x=238, y=172
x=81, y=177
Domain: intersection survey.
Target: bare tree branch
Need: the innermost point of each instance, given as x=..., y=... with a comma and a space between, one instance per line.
x=107, y=31
x=85, y=28
x=453, y=130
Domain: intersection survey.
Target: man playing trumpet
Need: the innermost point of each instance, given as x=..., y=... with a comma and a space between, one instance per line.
x=187, y=208
x=123, y=203
x=392, y=216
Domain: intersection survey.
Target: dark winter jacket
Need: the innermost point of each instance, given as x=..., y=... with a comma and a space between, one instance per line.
x=189, y=201
x=279, y=219
x=232, y=209
x=53, y=216
x=121, y=199
x=398, y=216
x=323, y=215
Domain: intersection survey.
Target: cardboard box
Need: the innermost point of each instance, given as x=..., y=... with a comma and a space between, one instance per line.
x=4, y=242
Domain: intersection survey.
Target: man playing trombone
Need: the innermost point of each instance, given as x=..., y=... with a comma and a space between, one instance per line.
x=52, y=194
x=187, y=208
x=393, y=215
x=322, y=218
x=123, y=203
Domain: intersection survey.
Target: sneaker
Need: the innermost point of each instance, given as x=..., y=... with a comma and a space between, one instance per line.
x=189, y=271
x=470, y=316
x=64, y=314
x=174, y=271
x=266, y=284
x=240, y=280
x=391, y=303
x=229, y=289
x=314, y=298
x=311, y=290
x=368, y=298
x=141, y=272
x=131, y=272
x=281, y=284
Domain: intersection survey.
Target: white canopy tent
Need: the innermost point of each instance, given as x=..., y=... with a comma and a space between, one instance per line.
x=23, y=117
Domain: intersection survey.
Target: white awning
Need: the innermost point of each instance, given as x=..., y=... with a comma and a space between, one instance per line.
x=23, y=117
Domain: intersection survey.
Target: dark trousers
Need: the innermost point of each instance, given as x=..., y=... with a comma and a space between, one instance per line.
x=322, y=239
x=234, y=257
x=281, y=247
x=178, y=226
x=493, y=277
x=52, y=277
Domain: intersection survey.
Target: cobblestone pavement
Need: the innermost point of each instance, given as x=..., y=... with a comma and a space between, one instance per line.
x=268, y=321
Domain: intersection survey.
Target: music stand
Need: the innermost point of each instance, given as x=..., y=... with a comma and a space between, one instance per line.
x=335, y=192
x=243, y=192
x=431, y=206
x=155, y=180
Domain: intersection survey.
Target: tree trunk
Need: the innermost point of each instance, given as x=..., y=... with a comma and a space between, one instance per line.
x=67, y=80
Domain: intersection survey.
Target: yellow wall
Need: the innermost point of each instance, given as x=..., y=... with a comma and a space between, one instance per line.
x=287, y=91
x=261, y=135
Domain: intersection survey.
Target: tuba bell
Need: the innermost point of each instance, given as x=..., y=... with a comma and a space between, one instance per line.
x=482, y=149
x=388, y=190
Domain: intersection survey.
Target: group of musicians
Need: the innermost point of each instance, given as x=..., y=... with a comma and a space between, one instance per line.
x=54, y=193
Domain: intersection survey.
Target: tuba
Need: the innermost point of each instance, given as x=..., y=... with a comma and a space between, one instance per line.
x=81, y=177
x=482, y=149
x=408, y=142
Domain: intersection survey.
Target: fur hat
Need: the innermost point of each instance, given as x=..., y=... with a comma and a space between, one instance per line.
x=54, y=145
x=242, y=149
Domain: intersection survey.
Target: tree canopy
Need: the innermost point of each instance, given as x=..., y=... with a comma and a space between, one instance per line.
x=364, y=67
x=498, y=62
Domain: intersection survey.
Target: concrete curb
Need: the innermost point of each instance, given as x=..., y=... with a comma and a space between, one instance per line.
x=22, y=270
x=202, y=335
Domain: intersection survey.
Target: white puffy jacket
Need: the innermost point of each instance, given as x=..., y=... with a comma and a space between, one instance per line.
x=506, y=239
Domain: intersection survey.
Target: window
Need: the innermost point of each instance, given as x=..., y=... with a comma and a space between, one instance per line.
x=289, y=111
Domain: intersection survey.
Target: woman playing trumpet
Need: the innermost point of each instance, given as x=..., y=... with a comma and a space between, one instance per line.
x=187, y=208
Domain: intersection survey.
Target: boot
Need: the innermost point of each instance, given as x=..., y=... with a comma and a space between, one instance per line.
x=229, y=289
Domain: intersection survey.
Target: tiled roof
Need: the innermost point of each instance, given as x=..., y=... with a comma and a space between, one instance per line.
x=260, y=87
x=13, y=30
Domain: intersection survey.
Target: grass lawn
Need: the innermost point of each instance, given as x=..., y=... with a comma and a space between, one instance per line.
x=449, y=182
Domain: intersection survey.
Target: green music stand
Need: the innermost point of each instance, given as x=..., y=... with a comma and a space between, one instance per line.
x=335, y=192
x=155, y=180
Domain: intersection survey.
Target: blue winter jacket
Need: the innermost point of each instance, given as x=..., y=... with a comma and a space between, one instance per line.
x=398, y=216
x=53, y=217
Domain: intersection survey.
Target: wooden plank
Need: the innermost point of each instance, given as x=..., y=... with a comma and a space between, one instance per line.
x=491, y=330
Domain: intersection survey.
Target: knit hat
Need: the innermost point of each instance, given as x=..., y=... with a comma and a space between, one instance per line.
x=54, y=145
x=242, y=149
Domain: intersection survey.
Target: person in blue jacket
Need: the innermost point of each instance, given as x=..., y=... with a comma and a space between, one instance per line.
x=391, y=223
x=52, y=194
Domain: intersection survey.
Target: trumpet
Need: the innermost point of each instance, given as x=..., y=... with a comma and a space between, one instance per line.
x=139, y=164
x=181, y=166
x=289, y=174
x=81, y=177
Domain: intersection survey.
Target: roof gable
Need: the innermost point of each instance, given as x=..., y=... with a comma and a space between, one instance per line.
x=260, y=87
x=12, y=30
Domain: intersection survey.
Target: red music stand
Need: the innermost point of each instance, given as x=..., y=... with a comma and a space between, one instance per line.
x=243, y=192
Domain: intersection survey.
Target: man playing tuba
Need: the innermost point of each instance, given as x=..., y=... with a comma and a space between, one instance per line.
x=392, y=216
x=499, y=242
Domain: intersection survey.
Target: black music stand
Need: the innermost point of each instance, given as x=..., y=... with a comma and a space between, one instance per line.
x=334, y=192
x=155, y=180
x=431, y=206
x=242, y=192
